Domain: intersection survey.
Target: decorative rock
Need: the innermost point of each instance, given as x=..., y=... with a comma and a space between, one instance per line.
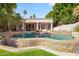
x=65, y=46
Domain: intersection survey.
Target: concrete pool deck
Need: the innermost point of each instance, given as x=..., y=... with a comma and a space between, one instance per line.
x=12, y=49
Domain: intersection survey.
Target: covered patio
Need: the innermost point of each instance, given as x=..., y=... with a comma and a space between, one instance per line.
x=38, y=24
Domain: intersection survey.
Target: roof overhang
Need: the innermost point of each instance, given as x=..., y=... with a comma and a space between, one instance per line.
x=39, y=21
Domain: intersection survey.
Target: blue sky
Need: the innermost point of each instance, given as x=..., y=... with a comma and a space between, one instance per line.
x=40, y=9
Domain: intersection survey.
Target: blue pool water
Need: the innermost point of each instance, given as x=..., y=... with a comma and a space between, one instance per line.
x=37, y=35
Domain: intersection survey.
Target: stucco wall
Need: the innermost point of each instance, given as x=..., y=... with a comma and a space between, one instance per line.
x=68, y=27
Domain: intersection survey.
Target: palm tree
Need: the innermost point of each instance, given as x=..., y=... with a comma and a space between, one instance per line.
x=25, y=12
x=34, y=16
x=30, y=17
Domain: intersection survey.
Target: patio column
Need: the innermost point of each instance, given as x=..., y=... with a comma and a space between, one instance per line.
x=47, y=26
x=23, y=26
x=51, y=26
x=37, y=27
x=34, y=26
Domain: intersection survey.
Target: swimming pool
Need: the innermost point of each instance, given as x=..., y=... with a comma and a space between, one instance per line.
x=45, y=35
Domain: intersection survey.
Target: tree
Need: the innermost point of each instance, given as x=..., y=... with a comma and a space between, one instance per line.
x=6, y=11
x=50, y=15
x=25, y=12
x=34, y=16
x=62, y=12
x=16, y=22
x=30, y=17
x=7, y=16
x=76, y=10
x=76, y=13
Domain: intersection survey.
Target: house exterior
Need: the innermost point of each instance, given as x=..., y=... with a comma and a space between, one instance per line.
x=37, y=24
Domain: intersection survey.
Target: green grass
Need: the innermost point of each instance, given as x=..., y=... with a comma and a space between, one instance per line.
x=37, y=52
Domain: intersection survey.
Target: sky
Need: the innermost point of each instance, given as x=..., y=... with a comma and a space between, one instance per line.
x=39, y=9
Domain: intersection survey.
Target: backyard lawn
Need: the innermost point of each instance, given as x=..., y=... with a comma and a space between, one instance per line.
x=37, y=52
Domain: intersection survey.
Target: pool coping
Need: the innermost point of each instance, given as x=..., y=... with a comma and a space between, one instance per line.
x=44, y=39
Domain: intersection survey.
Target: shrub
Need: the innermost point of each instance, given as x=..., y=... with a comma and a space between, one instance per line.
x=77, y=28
